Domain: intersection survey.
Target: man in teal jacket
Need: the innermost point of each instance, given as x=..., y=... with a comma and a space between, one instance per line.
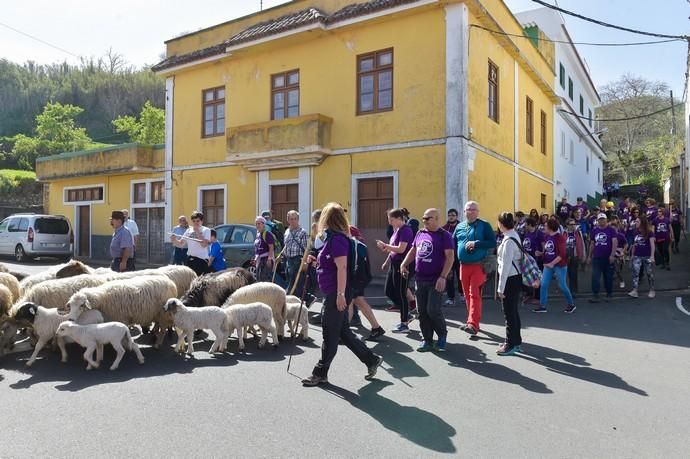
x=475, y=239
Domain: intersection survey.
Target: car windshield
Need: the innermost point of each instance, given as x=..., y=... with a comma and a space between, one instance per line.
x=51, y=226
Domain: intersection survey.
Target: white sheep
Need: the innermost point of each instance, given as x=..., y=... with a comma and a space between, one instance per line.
x=182, y=276
x=241, y=316
x=45, y=323
x=71, y=268
x=263, y=292
x=3, y=268
x=189, y=319
x=296, y=318
x=93, y=337
x=6, y=300
x=11, y=282
x=138, y=301
x=55, y=293
x=215, y=288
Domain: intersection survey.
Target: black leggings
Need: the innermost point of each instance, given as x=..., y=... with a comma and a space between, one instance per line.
x=512, y=292
x=396, y=289
x=675, y=226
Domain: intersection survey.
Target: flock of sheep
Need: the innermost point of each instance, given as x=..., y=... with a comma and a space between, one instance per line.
x=73, y=302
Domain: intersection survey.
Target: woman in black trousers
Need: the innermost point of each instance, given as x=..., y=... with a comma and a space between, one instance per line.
x=509, y=282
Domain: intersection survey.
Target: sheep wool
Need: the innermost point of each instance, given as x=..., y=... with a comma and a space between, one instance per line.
x=240, y=316
x=12, y=284
x=263, y=292
x=138, y=301
x=45, y=323
x=55, y=293
x=215, y=288
x=293, y=314
x=71, y=268
x=93, y=337
x=3, y=268
x=182, y=276
x=6, y=300
x=189, y=319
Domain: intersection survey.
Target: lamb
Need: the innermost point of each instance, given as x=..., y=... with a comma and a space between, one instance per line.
x=71, y=268
x=189, y=319
x=264, y=292
x=240, y=316
x=293, y=314
x=93, y=337
x=6, y=300
x=215, y=288
x=11, y=282
x=45, y=323
x=3, y=268
x=131, y=301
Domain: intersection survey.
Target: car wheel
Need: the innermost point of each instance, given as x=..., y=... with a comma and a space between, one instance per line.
x=19, y=253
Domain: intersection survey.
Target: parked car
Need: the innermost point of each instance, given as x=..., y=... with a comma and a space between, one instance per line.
x=237, y=242
x=27, y=236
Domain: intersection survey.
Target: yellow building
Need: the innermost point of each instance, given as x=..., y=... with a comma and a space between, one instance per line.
x=379, y=104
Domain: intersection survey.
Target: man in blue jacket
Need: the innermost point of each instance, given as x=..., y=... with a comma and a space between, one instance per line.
x=475, y=239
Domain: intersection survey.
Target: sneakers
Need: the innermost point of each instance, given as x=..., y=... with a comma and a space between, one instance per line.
x=570, y=309
x=469, y=329
x=401, y=328
x=633, y=293
x=315, y=380
x=393, y=308
x=371, y=369
x=449, y=302
x=622, y=285
x=425, y=347
x=651, y=294
x=376, y=333
x=440, y=345
x=506, y=349
x=540, y=309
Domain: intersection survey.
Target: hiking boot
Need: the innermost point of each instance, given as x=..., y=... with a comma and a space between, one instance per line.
x=371, y=369
x=540, y=309
x=440, y=345
x=633, y=293
x=570, y=309
x=376, y=333
x=506, y=349
x=401, y=328
x=651, y=294
x=425, y=347
x=314, y=380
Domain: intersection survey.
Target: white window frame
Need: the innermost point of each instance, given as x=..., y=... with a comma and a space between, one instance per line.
x=199, y=198
x=148, y=203
x=65, y=202
x=572, y=151
x=357, y=177
x=564, y=152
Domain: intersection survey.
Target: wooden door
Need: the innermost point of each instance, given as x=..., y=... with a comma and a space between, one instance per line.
x=374, y=198
x=84, y=243
x=284, y=198
x=213, y=205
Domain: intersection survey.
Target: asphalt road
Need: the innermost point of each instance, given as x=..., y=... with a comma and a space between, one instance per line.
x=609, y=381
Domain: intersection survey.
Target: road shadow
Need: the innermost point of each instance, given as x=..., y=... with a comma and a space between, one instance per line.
x=474, y=359
x=410, y=422
x=395, y=362
x=575, y=367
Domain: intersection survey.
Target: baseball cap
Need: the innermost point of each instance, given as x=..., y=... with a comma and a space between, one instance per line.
x=600, y=216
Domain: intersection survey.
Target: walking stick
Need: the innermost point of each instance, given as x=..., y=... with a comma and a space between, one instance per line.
x=302, y=263
x=299, y=316
x=275, y=265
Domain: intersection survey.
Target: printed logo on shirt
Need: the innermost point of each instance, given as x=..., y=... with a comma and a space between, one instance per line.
x=527, y=244
x=571, y=240
x=425, y=249
x=601, y=239
x=549, y=247
x=661, y=227
x=640, y=241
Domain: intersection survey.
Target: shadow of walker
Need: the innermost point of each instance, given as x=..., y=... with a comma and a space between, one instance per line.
x=410, y=422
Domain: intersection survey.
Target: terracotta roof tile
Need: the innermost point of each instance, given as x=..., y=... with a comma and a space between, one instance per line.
x=282, y=24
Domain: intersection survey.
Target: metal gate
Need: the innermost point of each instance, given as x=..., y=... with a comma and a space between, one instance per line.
x=150, y=244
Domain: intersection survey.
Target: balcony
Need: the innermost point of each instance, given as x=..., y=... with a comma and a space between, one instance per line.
x=118, y=159
x=293, y=142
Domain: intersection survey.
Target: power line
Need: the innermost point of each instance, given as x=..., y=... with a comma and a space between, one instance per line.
x=39, y=40
x=646, y=115
x=606, y=24
x=577, y=43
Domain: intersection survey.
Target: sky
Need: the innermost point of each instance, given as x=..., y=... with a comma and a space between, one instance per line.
x=137, y=29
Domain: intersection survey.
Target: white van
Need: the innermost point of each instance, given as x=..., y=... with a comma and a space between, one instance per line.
x=27, y=236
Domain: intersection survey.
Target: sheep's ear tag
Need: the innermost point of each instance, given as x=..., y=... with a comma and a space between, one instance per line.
x=32, y=310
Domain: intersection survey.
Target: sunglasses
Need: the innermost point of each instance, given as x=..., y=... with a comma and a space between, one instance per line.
x=426, y=218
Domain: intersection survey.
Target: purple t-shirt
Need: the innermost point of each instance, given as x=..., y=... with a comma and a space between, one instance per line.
x=661, y=229
x=570, y=240
x=582, y=207
x=550, y=247
x=675, y=215
x=402, y=234
x=603, y=241
x=532, y=242
x=564, y=210
x=336, y=245
x=430, y=256
x=643, y=246
x=261, y=246
x=651, y=212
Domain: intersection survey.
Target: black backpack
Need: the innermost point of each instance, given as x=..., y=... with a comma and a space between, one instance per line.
x=359, y=268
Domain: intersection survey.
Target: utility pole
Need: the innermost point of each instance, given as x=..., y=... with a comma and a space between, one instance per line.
x=673, y=116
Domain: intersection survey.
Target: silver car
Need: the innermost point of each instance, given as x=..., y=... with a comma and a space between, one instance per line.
x=237, y=242
x=27, y=236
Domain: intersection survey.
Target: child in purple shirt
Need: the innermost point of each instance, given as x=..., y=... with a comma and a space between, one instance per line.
x=663, y=238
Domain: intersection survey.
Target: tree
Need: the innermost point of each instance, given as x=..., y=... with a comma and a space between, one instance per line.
x=148, y=129
x=638, y=147
x=56, y=132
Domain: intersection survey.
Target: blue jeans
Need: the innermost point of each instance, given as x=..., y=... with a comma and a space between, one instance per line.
x=602, y=265
x=560, y=272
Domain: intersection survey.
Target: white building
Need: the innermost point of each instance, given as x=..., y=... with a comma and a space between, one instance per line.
x=578, y=154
